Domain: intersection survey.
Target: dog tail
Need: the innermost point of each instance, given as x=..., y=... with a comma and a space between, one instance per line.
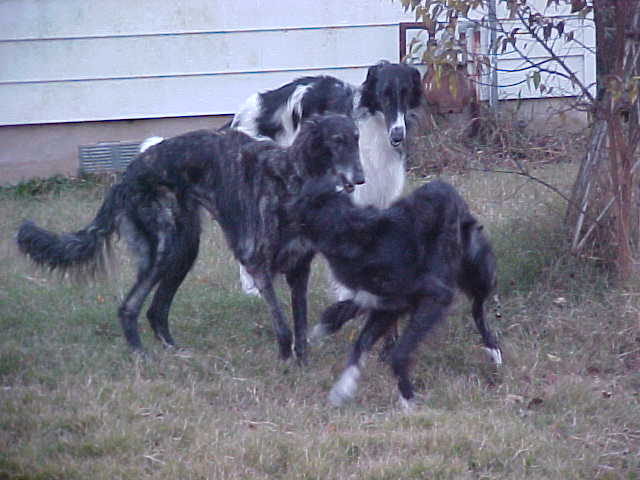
x=149, y=142
x=84, y=251
x=478, y=274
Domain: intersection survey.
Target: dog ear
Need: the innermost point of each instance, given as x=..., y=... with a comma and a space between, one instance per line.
x=369, y=97
x=417, y=89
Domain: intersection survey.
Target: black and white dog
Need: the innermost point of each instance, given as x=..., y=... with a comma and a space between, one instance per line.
x=381, y=106
x=408, y=258
x=243, y=183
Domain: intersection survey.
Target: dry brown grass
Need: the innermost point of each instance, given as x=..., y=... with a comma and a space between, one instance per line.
x=76, y=405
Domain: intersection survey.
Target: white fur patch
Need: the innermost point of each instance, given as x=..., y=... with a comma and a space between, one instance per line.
x=383, y=165
x=246, y=120
x=366, y=300
x=407, y=406
x=399, y=123
x=248, y=283
x=285, y=115
x=318, y=332
x=149, y=142
x=345, y=388
x=495, y=354
x=340, y=292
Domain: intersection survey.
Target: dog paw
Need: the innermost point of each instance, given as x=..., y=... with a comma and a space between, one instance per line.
x=495, y=354
x=407, y=405
x=251, y=291
x=344, y=390
x=318, y=332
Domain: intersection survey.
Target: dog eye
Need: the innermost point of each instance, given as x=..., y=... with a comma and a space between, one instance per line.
x=338, y=138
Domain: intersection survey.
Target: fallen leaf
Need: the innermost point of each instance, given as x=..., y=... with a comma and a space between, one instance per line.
x=511, y=398
x=535, y=402
x=560, y=302
x=553, y=358
x=593, y=371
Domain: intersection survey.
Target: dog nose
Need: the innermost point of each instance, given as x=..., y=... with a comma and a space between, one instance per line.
x=358, y=178
x=396, y=136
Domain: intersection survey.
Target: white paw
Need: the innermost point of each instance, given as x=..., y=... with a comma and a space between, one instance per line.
x=495, y=354
x=248, y=283
x=345, y=389
x=407, y=405
x=318, y=332
x=251, y=291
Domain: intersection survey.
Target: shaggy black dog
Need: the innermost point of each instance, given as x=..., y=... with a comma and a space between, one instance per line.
x=243, y=183
x=408, y=258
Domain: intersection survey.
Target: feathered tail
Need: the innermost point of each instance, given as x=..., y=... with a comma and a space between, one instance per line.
x=84, y=251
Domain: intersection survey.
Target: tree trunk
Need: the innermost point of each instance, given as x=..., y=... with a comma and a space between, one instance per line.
x=615, y=138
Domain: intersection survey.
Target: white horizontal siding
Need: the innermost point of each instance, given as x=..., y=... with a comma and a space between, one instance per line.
x=116, y=59
x=81, y=60
x=142, y=97
x=580, y=60
x=192, y=54
x=21, y=19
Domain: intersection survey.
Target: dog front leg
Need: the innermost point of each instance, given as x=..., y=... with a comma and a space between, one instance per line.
x=283, y=332
x=378, y=323
x=298, y=281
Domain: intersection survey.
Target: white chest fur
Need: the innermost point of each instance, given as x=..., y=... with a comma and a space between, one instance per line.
x=383, y=164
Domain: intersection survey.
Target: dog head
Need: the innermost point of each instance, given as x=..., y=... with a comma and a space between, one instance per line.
x=330, y=143
x=392, y=89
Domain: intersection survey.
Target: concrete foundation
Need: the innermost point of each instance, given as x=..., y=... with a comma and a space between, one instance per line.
x=41, y=151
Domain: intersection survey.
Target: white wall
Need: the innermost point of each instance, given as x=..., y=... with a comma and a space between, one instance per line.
x=87, y=60
x=579, y=59
x=82, y=60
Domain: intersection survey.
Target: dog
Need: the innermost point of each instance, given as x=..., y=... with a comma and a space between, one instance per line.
x=243, y=183
x=382, y=107
x=407, y=259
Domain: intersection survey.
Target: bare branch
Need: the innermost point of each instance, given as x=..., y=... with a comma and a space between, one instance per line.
x=561, y=62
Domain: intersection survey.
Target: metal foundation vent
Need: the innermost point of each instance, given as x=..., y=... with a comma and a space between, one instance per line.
x=107, y=157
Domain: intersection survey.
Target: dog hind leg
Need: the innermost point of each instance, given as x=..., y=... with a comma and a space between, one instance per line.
x=149, y=273
x=184, y=254
x=488, y=338
x=333, y=318
x=429, y=312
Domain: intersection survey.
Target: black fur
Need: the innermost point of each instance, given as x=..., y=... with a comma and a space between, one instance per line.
x=243, y=183
x=411, y=256
x=390, y=88
x=325, y=94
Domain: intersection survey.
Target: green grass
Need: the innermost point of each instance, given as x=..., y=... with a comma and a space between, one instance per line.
x=75, y=404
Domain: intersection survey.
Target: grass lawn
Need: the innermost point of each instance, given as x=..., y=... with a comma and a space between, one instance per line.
x=76, y=404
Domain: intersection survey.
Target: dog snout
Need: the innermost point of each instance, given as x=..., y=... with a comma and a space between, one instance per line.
x=350, y=178
x=396, y=136
x=358, y=178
